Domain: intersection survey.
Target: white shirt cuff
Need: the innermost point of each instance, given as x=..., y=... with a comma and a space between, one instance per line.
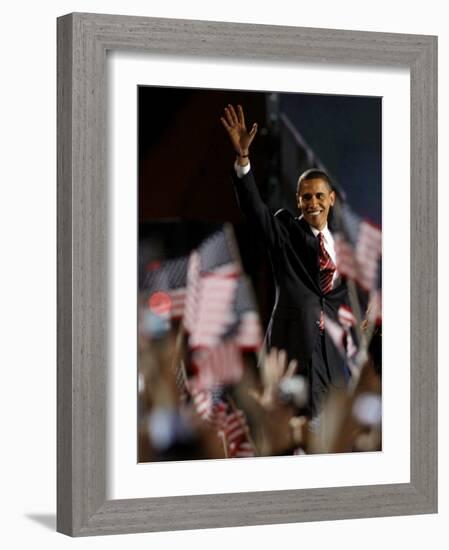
x=241, y=170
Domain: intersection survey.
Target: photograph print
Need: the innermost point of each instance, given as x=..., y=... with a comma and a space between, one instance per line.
x=259, y=274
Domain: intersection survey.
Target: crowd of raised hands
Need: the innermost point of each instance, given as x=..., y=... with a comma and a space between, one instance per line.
x=264, y=414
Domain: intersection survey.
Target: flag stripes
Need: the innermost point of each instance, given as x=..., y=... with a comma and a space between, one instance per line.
x=346, y=316
x=358, y=248
x=336, y=333
x=212, y=313
x=210, y=406
x=236, y=433
x=249, y=333
x=220, y=365
x=231, y=425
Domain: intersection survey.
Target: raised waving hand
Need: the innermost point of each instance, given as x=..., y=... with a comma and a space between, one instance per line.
x=234, y=123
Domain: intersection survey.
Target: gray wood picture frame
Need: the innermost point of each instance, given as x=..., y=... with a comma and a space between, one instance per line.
x=83, y=40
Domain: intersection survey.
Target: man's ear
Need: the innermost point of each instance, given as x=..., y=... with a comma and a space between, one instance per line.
x=332, y=197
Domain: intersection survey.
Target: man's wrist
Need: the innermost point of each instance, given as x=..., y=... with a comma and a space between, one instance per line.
x=242, y=158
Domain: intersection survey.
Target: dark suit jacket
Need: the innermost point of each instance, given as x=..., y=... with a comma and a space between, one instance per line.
x=293, y=250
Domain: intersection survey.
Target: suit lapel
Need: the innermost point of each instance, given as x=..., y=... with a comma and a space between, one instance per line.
x=311, y=247
x=311, y=250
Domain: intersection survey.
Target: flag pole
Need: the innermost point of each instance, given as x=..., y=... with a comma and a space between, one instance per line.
x=222, y=436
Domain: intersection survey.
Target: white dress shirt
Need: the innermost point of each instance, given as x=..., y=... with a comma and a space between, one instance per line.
x=241, y=170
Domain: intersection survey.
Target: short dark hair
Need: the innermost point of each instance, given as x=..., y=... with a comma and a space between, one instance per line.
x=314, y=174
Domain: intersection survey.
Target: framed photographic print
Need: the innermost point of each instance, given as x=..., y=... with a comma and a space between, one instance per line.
x=205, y=288
x=223, y=357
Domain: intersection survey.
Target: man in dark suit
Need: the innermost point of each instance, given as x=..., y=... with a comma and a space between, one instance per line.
x=308, y=287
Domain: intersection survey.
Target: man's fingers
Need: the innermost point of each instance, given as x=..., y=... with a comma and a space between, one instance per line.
x=229, y=117
x=276, y=367
x=225, y=124
x=241, y=115
x=282, y=361
x=270, y=366
x=253, y=130
x=233, y=114
x=271, y=358
x=291, y=368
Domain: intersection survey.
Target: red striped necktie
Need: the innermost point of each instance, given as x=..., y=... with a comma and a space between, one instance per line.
x=327, y=270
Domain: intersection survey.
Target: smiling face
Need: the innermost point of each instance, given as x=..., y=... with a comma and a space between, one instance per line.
x=315, y=199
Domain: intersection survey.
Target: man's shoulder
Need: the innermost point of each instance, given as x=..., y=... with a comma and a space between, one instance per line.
x=284, y=215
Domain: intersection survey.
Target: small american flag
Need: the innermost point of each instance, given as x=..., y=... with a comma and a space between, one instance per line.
x=347, y=320
x=231, y=426
x=340, y=332
x=220, y=365
x=249, y=335
x=210, y=406
x=212, y=280
x=336, y=333
x=248, y=329
x=236, y=435
x=213, y=313
x=219, y=314
x=345, y=316
x=358, y=249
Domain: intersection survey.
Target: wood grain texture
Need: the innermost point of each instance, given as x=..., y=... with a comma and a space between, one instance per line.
x=83, y=40
x=64, y=277
x=423, y=282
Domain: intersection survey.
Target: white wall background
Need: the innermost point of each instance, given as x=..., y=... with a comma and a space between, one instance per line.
x=28, y=272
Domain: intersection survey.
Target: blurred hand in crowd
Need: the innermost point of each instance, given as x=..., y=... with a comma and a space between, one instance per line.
x=274, y=369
